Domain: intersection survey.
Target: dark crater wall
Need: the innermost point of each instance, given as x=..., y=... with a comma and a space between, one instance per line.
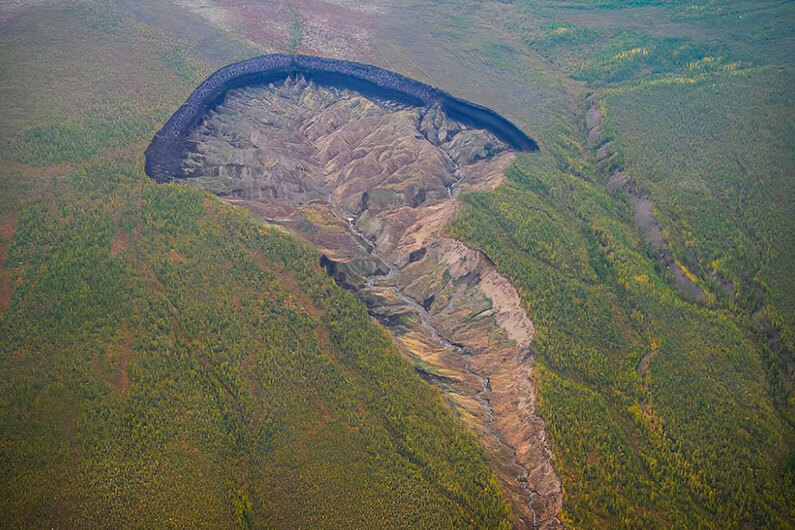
x=166, y=153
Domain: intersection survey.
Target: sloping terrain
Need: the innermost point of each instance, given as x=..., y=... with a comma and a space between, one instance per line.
x=177, y=379
x=663, y=410
x=168, y=361
x=373, y=184
x=664, y=366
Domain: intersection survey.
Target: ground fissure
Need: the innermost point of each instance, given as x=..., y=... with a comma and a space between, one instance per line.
x=373, y=183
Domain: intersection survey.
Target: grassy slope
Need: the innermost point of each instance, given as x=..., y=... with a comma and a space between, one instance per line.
x=661, y=412
x=167, y=360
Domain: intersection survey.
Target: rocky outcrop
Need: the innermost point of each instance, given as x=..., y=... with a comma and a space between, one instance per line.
x=373, y=183
x=169, y=146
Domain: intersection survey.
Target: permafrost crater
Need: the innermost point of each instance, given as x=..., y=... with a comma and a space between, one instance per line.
x=370, y=174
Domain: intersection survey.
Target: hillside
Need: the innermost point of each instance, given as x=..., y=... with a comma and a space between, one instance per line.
x=168, y=361
x=600, y=333
x=653, y=253
x=372, y=183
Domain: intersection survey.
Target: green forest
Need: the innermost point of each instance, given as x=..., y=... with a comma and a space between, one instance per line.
x=168, y=360
x=663, y=412
x=142, y=384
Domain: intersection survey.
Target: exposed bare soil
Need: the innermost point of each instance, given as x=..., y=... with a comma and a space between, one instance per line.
x=374, y=184
x=7, y=276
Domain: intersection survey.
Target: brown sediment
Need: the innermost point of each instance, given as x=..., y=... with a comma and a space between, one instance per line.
x=112, y=368
x=121, y=238
x=374, y=184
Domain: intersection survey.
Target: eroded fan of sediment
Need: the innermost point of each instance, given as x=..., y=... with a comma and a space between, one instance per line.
x=373, y=183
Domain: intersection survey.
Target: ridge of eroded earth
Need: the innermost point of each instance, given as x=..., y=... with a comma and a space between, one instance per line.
x=373, y=184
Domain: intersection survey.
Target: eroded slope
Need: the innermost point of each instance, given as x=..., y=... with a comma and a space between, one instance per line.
x=374, y=184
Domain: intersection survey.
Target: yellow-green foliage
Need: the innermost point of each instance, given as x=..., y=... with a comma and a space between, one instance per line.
x=721, y=184
x=660, y=411
x=166, y=360
x=164, y=353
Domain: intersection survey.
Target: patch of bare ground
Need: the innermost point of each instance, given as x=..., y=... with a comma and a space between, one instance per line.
x=121, y=239
x=112, y=367
x=374, y=185
x=175, y=257
x=480, y=313
x=7, y=275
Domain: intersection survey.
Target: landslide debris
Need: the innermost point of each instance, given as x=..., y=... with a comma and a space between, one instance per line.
x=373, y=184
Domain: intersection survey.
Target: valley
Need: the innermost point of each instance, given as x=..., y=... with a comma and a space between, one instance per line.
x=418, y=264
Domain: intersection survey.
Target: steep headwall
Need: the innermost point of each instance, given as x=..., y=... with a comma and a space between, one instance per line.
x=165, y=154
x=374, y=187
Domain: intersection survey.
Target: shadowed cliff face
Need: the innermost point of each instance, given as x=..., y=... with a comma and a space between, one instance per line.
x=373, y=184
x=169, y=146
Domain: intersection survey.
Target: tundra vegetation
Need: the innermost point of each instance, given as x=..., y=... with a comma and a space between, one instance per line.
x=662, y=411
x=167, y=360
